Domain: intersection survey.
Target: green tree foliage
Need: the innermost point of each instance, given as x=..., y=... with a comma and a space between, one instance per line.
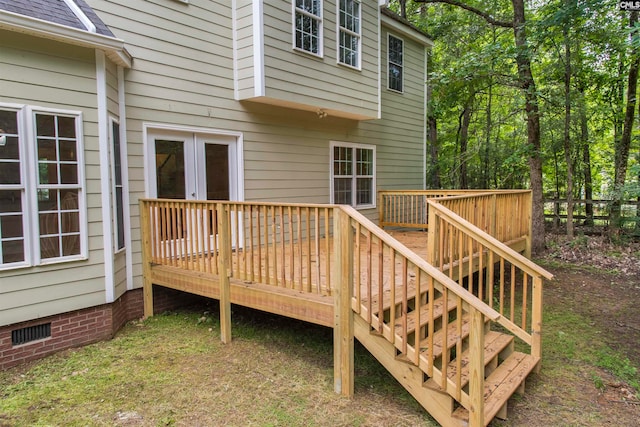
x=473, y=69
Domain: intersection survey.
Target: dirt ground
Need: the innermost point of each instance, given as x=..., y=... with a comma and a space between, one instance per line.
x=600, y=283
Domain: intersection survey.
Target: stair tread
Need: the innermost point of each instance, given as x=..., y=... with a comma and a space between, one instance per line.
x=494, y=343
x=452, y=337
x=386, y=299
x=438, y=309
x=502, y=383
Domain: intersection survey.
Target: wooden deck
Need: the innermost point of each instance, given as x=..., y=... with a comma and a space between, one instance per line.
x=414, y=298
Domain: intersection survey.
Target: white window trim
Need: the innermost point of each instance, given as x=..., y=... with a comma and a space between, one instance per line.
x=29, y=176
x=389, y=35
x=320, y=20
x=23, y=188
x=114, y=201
x=33, y=171
x=352, y=145
x=358, y=66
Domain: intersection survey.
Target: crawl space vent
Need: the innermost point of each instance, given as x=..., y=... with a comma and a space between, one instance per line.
x=30, y=333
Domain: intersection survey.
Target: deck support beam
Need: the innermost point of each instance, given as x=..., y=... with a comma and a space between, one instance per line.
x=224, y=247
x=343, y=329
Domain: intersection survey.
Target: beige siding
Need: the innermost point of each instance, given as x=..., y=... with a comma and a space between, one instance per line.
x=179, y=81
x=49, y=74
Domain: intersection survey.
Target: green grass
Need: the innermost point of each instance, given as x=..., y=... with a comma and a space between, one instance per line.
x=173, y=370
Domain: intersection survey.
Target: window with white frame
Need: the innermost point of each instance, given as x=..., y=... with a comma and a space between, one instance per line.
x=396, y=53
x=353, y=169
x=40, y=167
x=117, y=184
x=307, y=18
x=349, y=33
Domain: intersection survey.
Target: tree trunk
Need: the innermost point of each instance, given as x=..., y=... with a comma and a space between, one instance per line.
x=433, y=173
x=527, y=83
x=621, y=157
x=586, y=160
x=464, y=143
x=567, y=126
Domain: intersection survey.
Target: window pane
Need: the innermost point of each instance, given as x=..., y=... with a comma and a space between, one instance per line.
x=47, y=200
x=10, y=201
x=47, y=150
x=170, y=169
x=9, y=173
x=48, y=173
x=342, y=191
x=45, y=125
x=12, y=251
x=8, y=122
x=10, y=226
x=9, y=149
x=364, y=191
x=120, y=218
x=66, y=127
x=70, y=245
x=49, y=223
x=68, y=151
x=50, y=247
x=69, y=173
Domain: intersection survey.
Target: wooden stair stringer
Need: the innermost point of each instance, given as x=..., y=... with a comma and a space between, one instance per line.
x=439, y=405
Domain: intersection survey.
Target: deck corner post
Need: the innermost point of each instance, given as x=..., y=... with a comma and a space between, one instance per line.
x=536, y=321
x=224, y=246
x=343, y=328
x=432, y=231
x=147, y=285
x=476, y=369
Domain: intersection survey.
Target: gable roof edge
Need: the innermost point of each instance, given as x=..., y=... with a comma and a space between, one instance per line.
x=404, y=27
x=113, y=47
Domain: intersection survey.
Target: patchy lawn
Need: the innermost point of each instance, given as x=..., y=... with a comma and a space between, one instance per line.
x=173, y=370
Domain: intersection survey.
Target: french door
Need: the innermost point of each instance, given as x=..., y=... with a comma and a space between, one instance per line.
x=193, y=166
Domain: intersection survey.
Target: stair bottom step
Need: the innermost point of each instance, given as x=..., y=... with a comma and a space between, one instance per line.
x=501, y=384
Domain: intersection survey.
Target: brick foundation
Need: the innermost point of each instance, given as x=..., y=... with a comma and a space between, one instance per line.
x=82, y=327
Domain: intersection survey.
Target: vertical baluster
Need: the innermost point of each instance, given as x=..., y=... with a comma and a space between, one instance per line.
x=418, y=304
x=513, y=293
x=392, y=293
x=381, y=285
x=274, y=243
x=259, y=242
x=431, y=326
x=291, y=249
x=252, y=248
x=502, y=285
x=327, y=255
x=283, y=275
x=471, y=263
x=405, y=305
x=445, y=336
x=299, y=244
x=369, y=287
x=458, y=349
x=525, y=290
x=308, y=241
x=317, y=247
x=358, y=272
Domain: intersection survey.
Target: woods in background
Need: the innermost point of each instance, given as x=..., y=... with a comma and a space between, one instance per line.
x=538, y=94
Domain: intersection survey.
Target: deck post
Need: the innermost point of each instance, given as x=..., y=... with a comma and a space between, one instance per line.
x=147, y=286
x=343, y=329
x=536, y=320
x=432, y=234
x=224, y=246
x=476, y=369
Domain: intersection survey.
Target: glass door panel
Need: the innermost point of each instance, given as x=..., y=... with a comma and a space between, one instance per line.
x=170, y=169
x=217, y=171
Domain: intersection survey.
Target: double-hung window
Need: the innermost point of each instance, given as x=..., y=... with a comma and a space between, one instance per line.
x=395, y=72
x=353, y=170
x=307, y=17
x=349, y=38
x=41, y=187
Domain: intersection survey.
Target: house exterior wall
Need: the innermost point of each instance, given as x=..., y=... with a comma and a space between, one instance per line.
x=186, y=74
x=48, y=74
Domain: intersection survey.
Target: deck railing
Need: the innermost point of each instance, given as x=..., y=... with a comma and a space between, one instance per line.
x=416, y=304
x=285, y=245
x=504, y=214
x=490, y=270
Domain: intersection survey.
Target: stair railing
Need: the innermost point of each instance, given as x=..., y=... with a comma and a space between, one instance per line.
x=416, y=307
x=490, y=270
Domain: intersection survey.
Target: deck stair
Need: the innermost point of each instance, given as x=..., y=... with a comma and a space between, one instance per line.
x=505, y=369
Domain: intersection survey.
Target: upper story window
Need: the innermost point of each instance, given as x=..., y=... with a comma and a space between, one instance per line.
x=308, y=26
x=349, y=33
x=353, y=174
x=396, y=72
x=48, y=176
